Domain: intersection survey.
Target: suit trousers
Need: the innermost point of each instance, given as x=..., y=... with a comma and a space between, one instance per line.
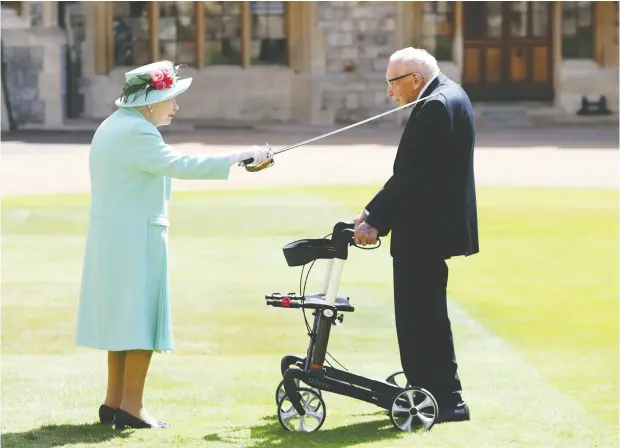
x=423, y=326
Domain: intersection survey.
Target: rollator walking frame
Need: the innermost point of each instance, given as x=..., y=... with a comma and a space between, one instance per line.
x=302, y=408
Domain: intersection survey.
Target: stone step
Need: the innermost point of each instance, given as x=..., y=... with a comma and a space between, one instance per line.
x=508, y=116
x=528, y=115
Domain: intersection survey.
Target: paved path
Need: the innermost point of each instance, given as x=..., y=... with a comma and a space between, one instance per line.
x=58, y=162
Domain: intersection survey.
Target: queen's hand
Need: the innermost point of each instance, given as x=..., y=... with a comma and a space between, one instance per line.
x=258, y=154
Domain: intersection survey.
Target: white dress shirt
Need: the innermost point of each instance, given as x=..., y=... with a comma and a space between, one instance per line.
x=426, y=85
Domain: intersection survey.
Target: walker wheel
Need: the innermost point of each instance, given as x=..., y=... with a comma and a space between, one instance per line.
x=280, y=392
x=414, y=408
x=398, y=379
x=313, y=405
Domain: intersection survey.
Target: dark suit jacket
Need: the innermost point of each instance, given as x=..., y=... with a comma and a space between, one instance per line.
x=429, y=203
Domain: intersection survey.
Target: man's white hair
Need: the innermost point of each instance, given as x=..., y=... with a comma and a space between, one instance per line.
x=417, y=59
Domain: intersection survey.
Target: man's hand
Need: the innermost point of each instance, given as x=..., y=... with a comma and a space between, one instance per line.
x=360, y=219
x=365, y=234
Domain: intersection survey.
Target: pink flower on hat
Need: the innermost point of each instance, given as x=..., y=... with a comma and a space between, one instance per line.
x=156, y=76
x=167, y=77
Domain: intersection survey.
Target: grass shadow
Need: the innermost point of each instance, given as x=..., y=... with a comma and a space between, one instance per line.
x=270, y=433
x=61, y=435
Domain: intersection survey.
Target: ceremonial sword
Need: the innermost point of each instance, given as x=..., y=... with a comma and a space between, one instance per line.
x=269, y=162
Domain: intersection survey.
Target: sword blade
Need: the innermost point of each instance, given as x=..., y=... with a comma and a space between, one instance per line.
x=351, y=126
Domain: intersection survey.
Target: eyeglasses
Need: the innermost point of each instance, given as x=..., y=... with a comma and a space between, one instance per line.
x=390, y=82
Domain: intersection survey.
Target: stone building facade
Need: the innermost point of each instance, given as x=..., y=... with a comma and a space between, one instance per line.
x=302, y=62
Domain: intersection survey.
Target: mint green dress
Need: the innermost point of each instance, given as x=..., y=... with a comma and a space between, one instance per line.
x=124, y=301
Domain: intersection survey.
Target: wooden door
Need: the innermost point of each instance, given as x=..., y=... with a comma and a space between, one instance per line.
x=507, y=54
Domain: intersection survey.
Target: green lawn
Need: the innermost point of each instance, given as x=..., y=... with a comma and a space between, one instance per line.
x=535, y=317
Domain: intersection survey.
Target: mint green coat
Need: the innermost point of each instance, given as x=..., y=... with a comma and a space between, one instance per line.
x=124, y=299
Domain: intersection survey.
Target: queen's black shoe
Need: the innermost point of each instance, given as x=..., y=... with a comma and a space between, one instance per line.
x=124, y=420
x=106, y=414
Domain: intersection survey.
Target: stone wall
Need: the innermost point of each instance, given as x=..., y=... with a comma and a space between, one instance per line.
x=359, y=39
x=34, y=62
x=348, y=85
x=22, y=65
x=258, y=94
x=339, y=77
x=577, y=78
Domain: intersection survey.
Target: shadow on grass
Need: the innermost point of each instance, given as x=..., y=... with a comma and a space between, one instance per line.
x=271, y=434
x=61, y=435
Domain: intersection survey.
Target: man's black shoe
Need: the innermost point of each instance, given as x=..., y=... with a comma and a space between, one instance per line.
x=453, y=413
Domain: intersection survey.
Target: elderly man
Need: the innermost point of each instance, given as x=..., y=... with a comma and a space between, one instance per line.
x=429, y=206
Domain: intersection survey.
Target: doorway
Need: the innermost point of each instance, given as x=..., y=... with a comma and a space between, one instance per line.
x=507, y=51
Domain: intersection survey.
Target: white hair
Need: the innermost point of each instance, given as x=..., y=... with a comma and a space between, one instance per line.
x=417, y=59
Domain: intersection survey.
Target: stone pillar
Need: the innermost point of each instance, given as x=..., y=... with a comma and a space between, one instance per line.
x=606, y=34
x=316, y=40
x=90, y=36
x=404, y=37
x=294, y=39
x=457, y=40
x=53, y=75
x=305, y=39
x=556, y=48
x=50, y=14
x=417, y=12
x=95, y=75
x=26, y=14
x=309, y=47
x=404, y=25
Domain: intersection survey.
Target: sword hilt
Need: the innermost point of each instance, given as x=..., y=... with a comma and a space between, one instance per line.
x=261, y=166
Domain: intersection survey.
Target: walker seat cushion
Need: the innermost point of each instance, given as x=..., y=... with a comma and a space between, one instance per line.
x=301, y=252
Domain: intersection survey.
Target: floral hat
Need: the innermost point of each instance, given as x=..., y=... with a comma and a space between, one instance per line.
x=152, y=83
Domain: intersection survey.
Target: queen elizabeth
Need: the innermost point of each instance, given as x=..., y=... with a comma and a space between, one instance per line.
x=124, y=303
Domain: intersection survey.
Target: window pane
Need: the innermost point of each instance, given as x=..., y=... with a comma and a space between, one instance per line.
x=268, y=45
x=584, y=14
x=518, y=19
x=569, y=19
x=494, y=19
x=177, y=32
x=130, y=29
x=474, y=20
x=577, y=31
x=540, y=19
x=222, y=33
x=437, y=29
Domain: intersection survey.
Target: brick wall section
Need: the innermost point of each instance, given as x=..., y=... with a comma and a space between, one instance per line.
x=359, y=39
